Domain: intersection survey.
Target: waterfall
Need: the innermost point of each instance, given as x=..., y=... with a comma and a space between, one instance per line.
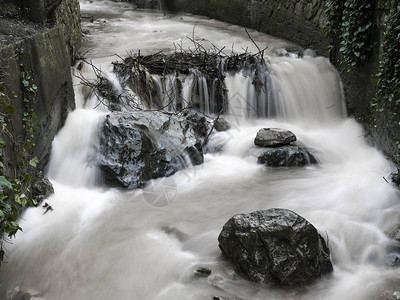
x=107, y=243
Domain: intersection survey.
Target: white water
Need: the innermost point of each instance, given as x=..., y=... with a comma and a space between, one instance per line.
x=101, y=243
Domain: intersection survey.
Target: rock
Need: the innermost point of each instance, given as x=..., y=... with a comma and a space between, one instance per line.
x=286, y=156
x=221, y=124
x=139, y=146
x=175, y=232
x=202, y=272
x=273, y=137
x=395, y=178
x=19, y=293
x=275, y=245
x=395, y=296
x=394, y=234
x=42, y=189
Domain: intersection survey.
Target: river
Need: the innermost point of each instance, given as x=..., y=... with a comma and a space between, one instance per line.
x=104, y=243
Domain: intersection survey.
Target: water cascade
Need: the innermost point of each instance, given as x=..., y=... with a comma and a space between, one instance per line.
x=107, y=243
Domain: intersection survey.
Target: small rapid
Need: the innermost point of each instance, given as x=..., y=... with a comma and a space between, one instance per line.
x=107, y=243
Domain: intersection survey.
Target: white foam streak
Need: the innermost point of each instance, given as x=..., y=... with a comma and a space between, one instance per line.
x=74, y=153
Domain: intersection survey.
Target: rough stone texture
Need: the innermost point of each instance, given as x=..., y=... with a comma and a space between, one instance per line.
x=46, y=56
x=140, y=146
x=42, y=189
x=275, y=245
x=221, y=124
x=45, y=50
x=395, y=233
x=298, y=21
x=271, y=137
x=67, y=16
x=286, y=156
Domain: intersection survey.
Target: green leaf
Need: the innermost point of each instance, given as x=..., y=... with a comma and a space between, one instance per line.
x=5, y=182
x=25, y=82
x=27, y=177
x=34, y=161
x=21, y=199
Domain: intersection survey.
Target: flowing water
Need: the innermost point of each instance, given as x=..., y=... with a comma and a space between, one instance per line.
x=101, y=243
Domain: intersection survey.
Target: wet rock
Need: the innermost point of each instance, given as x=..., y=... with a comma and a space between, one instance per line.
x=275, y=245
x=394, y=234
x=140, y=146
x=395, y=178
x=202, y=272
x=175, y=232
x=395, y=296
x=221, y=124
x=19, y=293
x=273, y=137
x=286, y=156
x=42, y=189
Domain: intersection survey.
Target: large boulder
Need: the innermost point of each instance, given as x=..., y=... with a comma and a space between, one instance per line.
x=286, y=156
x=274, y=137
x=275, y=245
x=139, y=146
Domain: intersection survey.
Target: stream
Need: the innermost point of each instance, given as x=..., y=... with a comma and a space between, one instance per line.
x=107, y=243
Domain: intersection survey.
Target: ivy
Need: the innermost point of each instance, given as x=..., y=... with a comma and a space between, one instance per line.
x=350, y=23
x=388, y=75
x=15, y=190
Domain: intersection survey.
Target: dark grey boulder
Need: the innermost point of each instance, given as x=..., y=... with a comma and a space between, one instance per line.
x=139, y=146
x=286, y=156
x=220, y=124
x=274, y=137
x=275, y=245
x=42, y=188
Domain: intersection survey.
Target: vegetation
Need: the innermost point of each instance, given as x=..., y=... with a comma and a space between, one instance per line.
x=15, y=184
x=350, y=22
x=350, y=26
x=388, y=75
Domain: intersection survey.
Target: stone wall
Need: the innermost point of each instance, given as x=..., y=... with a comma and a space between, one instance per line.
x=46, y=49
x=297, y=21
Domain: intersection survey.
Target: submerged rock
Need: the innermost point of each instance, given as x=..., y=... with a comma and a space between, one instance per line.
x=286, y=156
x=275, y=245
x=139, y=146
x=202, y=272
x=274, y=137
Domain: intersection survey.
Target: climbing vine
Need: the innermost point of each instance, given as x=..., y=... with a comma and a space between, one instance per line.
x=388, y=75
x=15, y=188
x=350, y=23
